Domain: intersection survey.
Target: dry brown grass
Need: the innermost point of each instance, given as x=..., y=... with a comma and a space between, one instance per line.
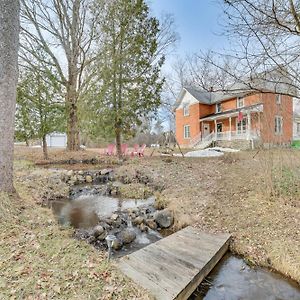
x=253, y=195
x=41, y=260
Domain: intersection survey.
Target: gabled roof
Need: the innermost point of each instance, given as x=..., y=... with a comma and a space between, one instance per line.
x=210, y=98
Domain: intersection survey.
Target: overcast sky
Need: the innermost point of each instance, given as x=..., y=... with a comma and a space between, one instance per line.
x=198, y=23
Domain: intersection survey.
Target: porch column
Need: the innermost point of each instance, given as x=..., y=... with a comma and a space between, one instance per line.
x=229, y=128
x=249, y=125
x=215, y=129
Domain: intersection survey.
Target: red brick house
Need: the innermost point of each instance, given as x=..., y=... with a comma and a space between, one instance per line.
x=243, y=119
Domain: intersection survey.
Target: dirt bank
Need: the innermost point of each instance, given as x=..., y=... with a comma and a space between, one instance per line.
x=253, y=195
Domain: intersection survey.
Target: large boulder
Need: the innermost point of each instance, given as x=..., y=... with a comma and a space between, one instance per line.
x=164, y=218
x=127, y=236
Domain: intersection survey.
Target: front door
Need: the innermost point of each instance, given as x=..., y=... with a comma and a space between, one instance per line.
x=206, y=129
x=219, y=127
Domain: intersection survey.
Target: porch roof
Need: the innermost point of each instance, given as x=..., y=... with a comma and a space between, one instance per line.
x=258, y=107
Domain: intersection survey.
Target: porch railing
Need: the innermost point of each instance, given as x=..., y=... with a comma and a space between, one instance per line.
x=225, y=136
x=235, y=135
x=195, y=140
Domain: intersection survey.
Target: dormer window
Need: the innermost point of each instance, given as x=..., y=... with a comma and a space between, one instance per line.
x=240, y=102
x=278, y=99
x=186, y=110
x=218, y=108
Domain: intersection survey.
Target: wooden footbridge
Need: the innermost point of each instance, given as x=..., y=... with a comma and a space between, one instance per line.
x=173, y=267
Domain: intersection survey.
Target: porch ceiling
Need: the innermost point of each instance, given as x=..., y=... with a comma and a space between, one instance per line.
x=234, y=112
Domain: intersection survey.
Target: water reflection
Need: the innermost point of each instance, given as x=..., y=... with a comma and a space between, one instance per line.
x=232, y=279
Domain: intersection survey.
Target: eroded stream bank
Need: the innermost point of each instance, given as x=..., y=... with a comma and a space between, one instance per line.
x=95, y=208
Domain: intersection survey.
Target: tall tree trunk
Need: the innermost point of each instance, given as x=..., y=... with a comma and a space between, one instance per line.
x=73, y=143
x=118, y=142
x=9, y=45
x=45, y=147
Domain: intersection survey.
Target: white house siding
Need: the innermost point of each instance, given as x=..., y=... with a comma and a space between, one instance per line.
x=296, y=118
x=187, y=99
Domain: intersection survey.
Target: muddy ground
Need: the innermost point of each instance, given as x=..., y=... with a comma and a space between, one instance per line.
x=254, y=195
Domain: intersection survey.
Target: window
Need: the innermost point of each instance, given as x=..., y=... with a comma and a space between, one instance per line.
x=218, y=107
x=241, y=126
x=298, y=128
x=186, y=110
x=278, y=124
x=240, y=102
x=278, y=99
x=186, y=131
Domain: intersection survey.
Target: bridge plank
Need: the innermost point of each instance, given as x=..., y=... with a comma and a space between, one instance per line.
x=173, y=267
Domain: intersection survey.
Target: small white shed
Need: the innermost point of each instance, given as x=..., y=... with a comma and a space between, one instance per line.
x=56, y=140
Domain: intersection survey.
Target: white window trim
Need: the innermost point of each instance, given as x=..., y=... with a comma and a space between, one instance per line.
x=218, y=111
x=237, y=102
x=242, y=130
x=186, y=110
x=184, y=132
x=278, y=98
x=281, y=127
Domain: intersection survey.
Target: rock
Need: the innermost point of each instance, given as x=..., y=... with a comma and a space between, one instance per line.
x=70, y=173
x=91, y=239
x=132, y=215
x=143, y=228
x=105, y=171
x=164, y=218
x=98, y=230
x=117, y=244
x=102, y=236
x=151, y=223
x=73, y=178
x=138, y=220
x=117, y=223
x=80, y=172
x=127, y=236
x=114, y=217
x=80, y=178
x=89, y=179
x=109, y=221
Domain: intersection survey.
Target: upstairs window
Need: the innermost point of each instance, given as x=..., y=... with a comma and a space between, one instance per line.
x=278, y=99
x=278, y=125
x=218, y=108
x=240, y=102
x=186, y=110
x=186, y=131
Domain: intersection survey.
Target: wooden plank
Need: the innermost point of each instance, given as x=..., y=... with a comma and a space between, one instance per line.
x=173, y=267
x=194, y=283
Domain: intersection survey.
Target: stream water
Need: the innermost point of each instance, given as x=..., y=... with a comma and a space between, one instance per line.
x=87, y=207
x=233, y=279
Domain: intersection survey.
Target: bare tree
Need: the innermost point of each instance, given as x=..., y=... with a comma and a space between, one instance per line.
x=266, y=54
x=65, y=31
x=9, y=44
x=178, y=77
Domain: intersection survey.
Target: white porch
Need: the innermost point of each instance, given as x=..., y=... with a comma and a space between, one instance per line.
x=233, y=130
